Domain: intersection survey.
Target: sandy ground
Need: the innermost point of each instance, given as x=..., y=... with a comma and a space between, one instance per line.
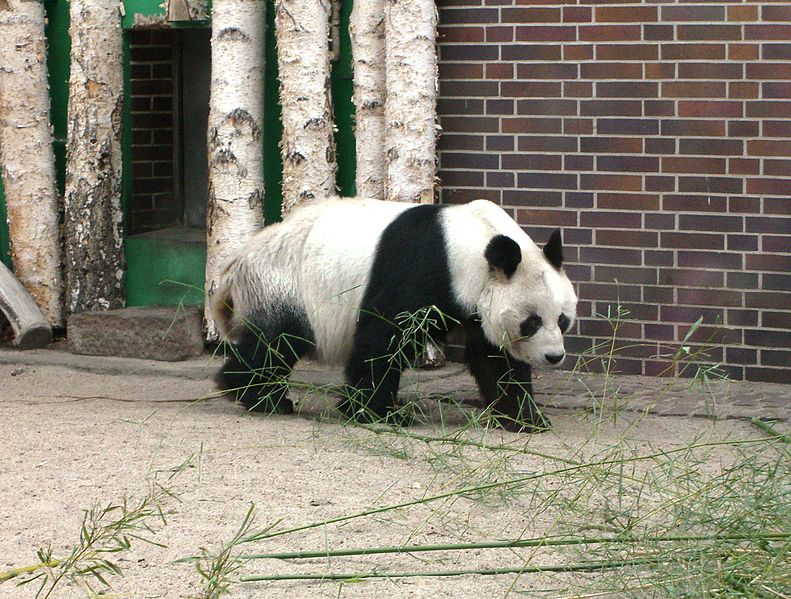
x=70, y=439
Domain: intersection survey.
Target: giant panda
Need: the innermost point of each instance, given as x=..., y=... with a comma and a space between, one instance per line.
x=333, y=278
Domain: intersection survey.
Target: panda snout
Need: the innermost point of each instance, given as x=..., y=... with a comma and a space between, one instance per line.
x=554, y=359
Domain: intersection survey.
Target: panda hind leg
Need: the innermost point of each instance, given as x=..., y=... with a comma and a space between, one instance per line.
x=505, y=383
x=256, y=371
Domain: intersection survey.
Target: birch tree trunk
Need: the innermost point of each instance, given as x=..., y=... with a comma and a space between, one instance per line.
x=26, y=156
x=366, y=29
x=236, y=162
x=308, y=148
x=410, y=106
x=95, y=266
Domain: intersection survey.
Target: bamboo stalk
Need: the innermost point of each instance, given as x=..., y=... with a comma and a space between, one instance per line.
x=769, y=429
x=14, y=572
x=514, y=544
x=578, y=567
x=493, y=485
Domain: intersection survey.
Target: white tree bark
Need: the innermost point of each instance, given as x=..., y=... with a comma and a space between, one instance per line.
x=308, y=148
x=236, y=163
x=26, y=156
x=410, y=106
x=95, y=266
x=366, y=29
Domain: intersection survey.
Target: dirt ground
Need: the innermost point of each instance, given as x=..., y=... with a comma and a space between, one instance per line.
x=71, y=439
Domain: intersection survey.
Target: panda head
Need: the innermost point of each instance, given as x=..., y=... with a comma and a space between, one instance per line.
x=528, y=303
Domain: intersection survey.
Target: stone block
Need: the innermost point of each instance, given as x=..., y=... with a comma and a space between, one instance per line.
x=153, y=333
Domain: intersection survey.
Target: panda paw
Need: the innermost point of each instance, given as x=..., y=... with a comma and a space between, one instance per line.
x=538, y=424
x=353, y=411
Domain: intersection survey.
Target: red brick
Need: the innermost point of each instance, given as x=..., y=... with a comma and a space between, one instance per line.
x=766, y=147
x=710, y=70
x=606, y=70
x=626, y=14
x=693, y=203
x=693, y=13
x=611, y=108
x=643, y=239
x=708, y=297
x=578, y=126
x=460, y=34
x=543, y=143
x=546, y=217
x=611, y=145
x=499, y=70
x=776, y=13
x=693, y=51
x=577, y=52
x=530, y=89
x=706, y=241
x=693, y=108
x=712, y=32
x=768, y=70
x=660, y=70
x=632, y=201
x=693, y=89
x=767, y=32
x=763, y=108
x=626, y=274
x=687, y=127
x=610, y=33
x=500, y=34
x=577, y=89
x=769, y=187
x=640, y=164
x=551, y=107
x=710, y=185
x=626, y=89
x=530, y=15
x=777, y=167
x=629, y=220
x=546, y=70
x=744, y=90
x=460, y=70
x=528, y=52
x=612, y=182
x=776, y=90
x=531, y=125
x=711, y=147
x=742, y=13
x=744, y=166
x=743, y=128
x=764, y=262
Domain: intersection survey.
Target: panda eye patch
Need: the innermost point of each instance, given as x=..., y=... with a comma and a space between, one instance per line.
x=564, y=323
x=530, y=325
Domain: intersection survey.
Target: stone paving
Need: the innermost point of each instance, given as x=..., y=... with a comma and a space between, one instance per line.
x=554, y=389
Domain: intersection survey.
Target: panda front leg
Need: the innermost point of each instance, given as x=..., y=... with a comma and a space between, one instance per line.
x=256, y=372
x=505, y=383
x=373, y=373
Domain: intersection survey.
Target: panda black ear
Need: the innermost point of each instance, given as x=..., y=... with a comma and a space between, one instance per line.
x=503, y=254
x=553, y=250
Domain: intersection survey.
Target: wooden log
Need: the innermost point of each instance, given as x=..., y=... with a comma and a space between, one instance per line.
x=31, y=329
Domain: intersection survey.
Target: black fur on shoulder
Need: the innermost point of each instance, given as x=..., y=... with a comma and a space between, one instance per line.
x=553, y=250
x=503, y=253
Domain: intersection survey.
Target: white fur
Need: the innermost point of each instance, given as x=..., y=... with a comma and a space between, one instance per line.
x=319, y=259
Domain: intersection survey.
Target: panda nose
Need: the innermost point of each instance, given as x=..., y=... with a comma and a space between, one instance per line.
x=554, y=358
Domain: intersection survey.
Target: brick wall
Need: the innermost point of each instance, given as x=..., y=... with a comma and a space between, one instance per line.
x=152, y=205
x=657, y=134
